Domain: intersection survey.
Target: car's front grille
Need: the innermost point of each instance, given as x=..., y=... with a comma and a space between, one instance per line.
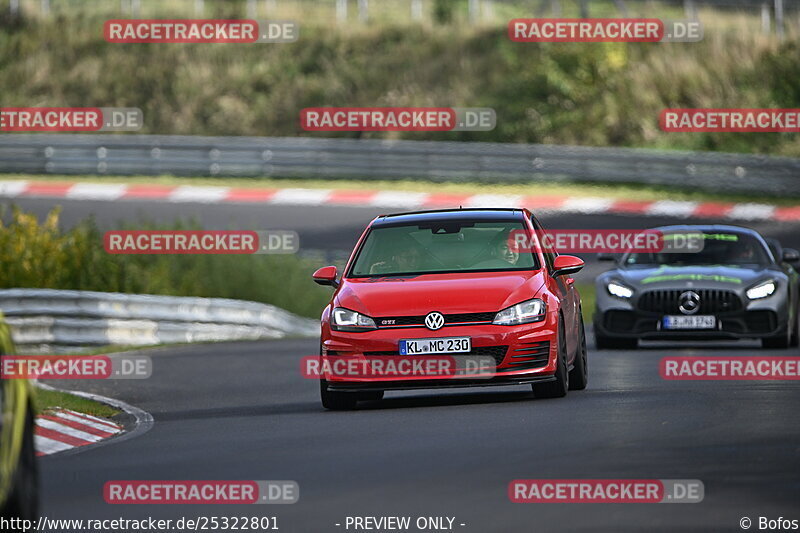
x=497, y=352
x=419, y=321
x=667, y=301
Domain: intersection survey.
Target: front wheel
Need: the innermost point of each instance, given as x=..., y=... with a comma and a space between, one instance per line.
x=559, y=387
x=579, y=375
x=336, y=400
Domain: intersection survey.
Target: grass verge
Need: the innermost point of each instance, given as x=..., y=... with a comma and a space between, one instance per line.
x=50, y=399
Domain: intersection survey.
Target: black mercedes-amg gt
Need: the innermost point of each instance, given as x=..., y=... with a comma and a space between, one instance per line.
x=736, y=285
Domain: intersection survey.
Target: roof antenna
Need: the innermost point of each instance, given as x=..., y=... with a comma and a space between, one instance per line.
x=460, y=207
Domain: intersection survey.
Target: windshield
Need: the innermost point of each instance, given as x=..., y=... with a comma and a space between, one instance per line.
x=728, y=249
x=442, y=246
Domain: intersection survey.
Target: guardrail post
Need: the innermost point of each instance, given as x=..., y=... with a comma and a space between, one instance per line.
x=13, y=7
x=689, y=9
x=341, y=10
x=251, y=9
x=474, y=9
x=779, y=19
x=363, y=10
x=199, y=8
x=584, y=9
x=271, y=6
x=765, y=19
x=416, y=9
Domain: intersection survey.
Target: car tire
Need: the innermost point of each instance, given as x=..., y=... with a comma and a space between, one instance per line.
x=794, y=341
x=335, y=400
x=579, y=375
x=602, y=342
x=23, y=500
x=557, y=388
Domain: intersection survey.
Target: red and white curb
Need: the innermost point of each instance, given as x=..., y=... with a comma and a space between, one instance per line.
x=58, y=430
x=395, y=200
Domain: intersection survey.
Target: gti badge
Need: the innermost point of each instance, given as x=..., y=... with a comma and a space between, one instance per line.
x=434, y=320
x=689, y=302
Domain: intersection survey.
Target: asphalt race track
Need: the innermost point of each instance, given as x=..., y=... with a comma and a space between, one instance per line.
x=243, y=411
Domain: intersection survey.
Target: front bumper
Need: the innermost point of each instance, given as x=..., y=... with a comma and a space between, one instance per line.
x=521, y=354
x=631, y=324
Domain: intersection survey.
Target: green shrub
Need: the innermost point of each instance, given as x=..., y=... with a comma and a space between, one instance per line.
x=41, y=255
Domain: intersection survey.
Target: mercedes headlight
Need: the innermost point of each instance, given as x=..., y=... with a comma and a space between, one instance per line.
x=762, y=290
x=346, y=320
x=522, y=313
x=619, y=290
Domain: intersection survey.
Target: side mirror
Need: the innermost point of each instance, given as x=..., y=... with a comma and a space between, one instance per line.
x=605, y=256
x=566, y=265
x=790, y=255
x=326, y=276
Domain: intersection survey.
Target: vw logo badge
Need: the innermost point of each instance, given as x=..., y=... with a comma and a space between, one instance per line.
x=689, y=302
x=434, y=321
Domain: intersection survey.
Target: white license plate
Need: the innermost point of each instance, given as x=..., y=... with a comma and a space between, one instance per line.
x=689, y=322
x=440, y=345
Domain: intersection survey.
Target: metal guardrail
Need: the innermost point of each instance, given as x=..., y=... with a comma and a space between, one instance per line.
x=351, y=158
x=49, y=320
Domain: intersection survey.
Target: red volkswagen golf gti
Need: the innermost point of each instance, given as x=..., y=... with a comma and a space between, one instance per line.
x=452, y=285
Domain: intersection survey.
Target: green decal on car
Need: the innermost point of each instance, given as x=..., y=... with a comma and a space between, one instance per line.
x=692, y=277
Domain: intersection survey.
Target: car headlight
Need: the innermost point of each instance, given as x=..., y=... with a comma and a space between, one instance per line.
x=762, y=290
x=522, y=313
x=346, y=320
x=619, y=290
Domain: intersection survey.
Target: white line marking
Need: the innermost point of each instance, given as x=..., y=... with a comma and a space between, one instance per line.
x=494, y=200
x=586, y=205
x=672, y=208
x=400, y=199
x=11, y=189
x=96, y=191
x=97, y=424
x=206, y=195
x=66, y=430
x=48, y=446
x=751, y=211
x=300, y=196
